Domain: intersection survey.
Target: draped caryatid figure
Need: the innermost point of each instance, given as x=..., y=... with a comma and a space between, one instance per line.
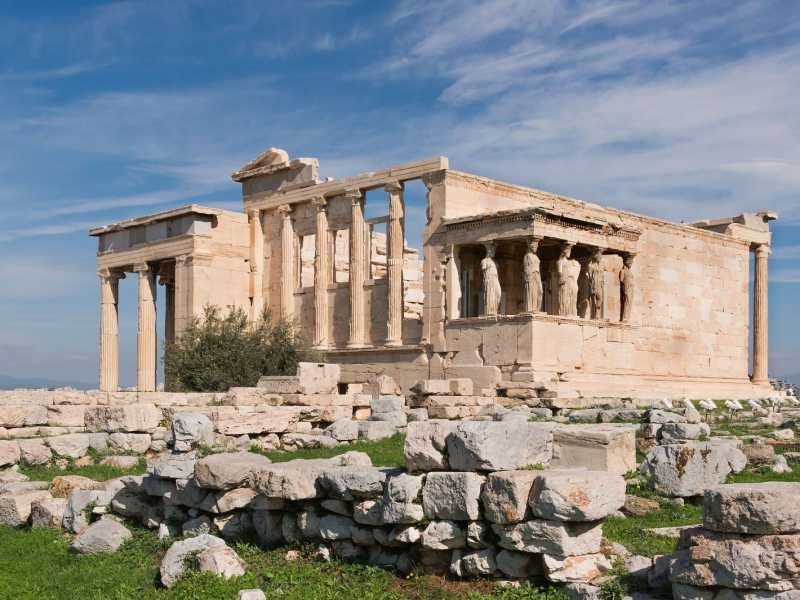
x=532, y=285
x=491, y=283
x=595, y=277
x=627, y=286
x=567, y=271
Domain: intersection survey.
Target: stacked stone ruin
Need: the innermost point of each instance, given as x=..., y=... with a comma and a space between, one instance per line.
x=747, y=549
x=477, y=499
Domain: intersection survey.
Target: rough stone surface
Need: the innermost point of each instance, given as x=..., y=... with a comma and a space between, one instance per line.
x=518, y=565
x=15, y=509
x=755, y=508
x=63, y=485
x=79, y=504
x=678, y=432
x=577, y=495
x=689, y=469
x=221, y=561
x=9, y=453
x=34, y=452
x=101, y=537
x=140, y=417
x=443, y=535
x=505, y=496
x=550, y=537
x=449, y=495
x=48, y=513
x=190, y=430
x=499, y=446
x=477, y=563
x=343, y=430
x=173, y=563
x=426, y=445
x=229, y=470
x=576, y=568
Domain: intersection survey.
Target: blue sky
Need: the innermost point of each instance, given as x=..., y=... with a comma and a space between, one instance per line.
x=683, y=110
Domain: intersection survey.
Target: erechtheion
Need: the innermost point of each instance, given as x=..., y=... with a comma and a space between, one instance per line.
x=514, y=284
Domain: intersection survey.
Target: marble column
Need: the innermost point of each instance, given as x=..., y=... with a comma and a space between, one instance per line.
x=358, y=265
x=146, y=355
x=532, y=282
x=321, y=275
x=627, y=287
x=760, y=315
x=256, y=264
x=452, y=284
x=394, y=260
x=109, y=329
x=287, y=262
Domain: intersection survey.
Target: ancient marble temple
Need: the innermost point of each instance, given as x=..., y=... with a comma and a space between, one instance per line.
x=513, y=283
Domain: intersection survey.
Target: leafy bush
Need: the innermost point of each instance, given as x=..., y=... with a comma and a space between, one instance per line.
x=216, y=352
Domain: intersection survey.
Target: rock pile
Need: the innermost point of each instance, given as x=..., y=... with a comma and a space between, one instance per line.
x=748, y=548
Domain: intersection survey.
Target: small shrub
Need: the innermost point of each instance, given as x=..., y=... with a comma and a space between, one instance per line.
x=216, y=352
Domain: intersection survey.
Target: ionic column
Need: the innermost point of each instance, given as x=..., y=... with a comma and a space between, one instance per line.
x=256, y=263
x=760, y=315
x=109, y=330
x=321, y=275
x=287, y=262
x=394, y=250
x=146, y=356
x=358, y=264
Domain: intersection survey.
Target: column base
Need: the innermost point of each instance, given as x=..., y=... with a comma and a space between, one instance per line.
x=393, y=343
x=356, y=345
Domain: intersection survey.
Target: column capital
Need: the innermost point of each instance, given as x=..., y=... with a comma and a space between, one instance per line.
x=763, y=250
x=533, y=242
x=433, y=179
x=393, y=186
x=285, y=210
x=319, y=202
x=354, y=194
x=110, y=274
x=142, y=268
x=253, y=213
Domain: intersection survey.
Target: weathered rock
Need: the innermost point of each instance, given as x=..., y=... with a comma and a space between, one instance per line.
x=518, y=565
x=65, y=415
x=576, y=495
x=454, y=496
x=72, y=445
x=759, y=453
x=479, y=535
x=139, y=417
x=190, y=430
x=655, y=415
x=375, y=430
x=755, y=508
x=34, y=452
x=9, y=453
x=636, y=506
x=426, y=445
x=387, y=403
x=268, y=526
x=15, y=509
x=129, y=442
x=343, y=430
x=101, y=537
x=23, y=415
x=550, y=537
x=679, y=432
x=63, y=485
x=221, y=561
x=351, y=483
x=335, y=527
x=499, y=446
x=307, y=440
x=443, y=535
x=173, y=563
x=395, y=419
x=197, y=526
x=229, y=470
x=253, y=594
x=689, y=469
x=756, y=562
x=79, y=506
x=477, y=563
x=48, y=513
x=505, y=496
x=583, y=568
x=602, y=447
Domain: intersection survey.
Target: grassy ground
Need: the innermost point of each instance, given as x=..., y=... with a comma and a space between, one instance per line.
x=384, y=453
x=630, y=531
x=96, y=471
x=762, y=474
x=38, y=565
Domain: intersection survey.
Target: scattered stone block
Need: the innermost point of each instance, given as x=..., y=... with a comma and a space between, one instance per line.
x=79, y=506
x=252, y=594
x=576, y=568
x=679, y=432
x=65, y=415
x=602, y=447
x=550, y=537
x=443, y=535
x=120, y=462
x=518, y=565
x=15, y=509
x=9, y=453
x=101, y=537
x=221, y=561
x=505, y=496
x=387, y=403
x=34, y=452
x=396, y=419
x=375, y=430
x=426, y=445
x=140, y=417
x=63, y=485
x=753, y=508
x=343, y=430
x=48, y=513
x=477, y=563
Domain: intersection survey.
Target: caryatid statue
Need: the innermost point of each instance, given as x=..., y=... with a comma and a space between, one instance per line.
x=595, y=276
x=532, y=284
x=491, y=283
x=627, y=286
x=567, y=271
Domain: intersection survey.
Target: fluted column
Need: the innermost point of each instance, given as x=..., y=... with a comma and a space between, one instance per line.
x=256, y=263
x=109, y=330
x=146, y=355
x=321, y=275
x=287, y=262
x=358, y=263
x=394, y=251
x=760, y=315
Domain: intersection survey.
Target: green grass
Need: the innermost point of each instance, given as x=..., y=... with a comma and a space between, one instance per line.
x=630, y=532
x=95, y=471
x=384, y=453
x=762, y=474
x=38, y=565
